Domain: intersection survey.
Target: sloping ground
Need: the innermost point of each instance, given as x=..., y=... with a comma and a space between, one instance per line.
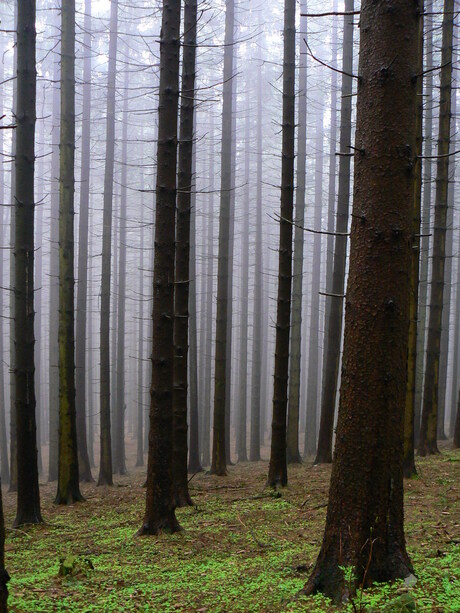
x=242, y=548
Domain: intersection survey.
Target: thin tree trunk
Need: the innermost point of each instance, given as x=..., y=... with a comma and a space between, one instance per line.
x=293, y=454
x=89, y=371
x=185, y=185
x=105, y=468
x=119, y=460
x=408, y=459
x=364, y=525
x=159, y=511
x=313, y=341
x=334, y=323
x=277, y=471
x=243, y=374
x=28, y=494
x=219, y=463
x=54, y=287
x=428, y=431
x=257, y=321
x=82, y=292
x=4, y=576
x=140, y=354
x=68, y=489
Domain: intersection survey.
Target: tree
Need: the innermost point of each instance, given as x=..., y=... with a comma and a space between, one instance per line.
x=409, y=461
x=428, y=431
x=334, y=323
x=82, y=293
x=364, y=524
x=185, y=182
x=159, y=509
x=277, y=471
x=28, y=494
x=219, y=463
x=293, y=454
x=105, y=469
x=4, y=576
x=68, y=489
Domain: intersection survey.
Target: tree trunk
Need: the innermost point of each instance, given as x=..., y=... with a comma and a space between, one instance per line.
x=364, y=525
x=68, y=490
x=159, y=511
x=428, y=431
x=219, y=464
x=119, y=460
x=241, y=441
x=185, y=185
x=4, y=576
x=82, y=293
x=408, y=460
x=28, y=495
x=277, y=471
x=257, y=321
x=334, y=323
x=206, y=406
x=54, y=286
x=89, y=370
x=313, y=341
x=13, y=430
x=293, y=454
x=105, y=468
x=140, y=353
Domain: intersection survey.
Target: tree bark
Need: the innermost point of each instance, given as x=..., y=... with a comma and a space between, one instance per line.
x=28, y=495
x=185, y=185
x=428, y=431
x=4, y=576
x=277, y=471
x=159, y=510
x=364, y=524
x=334, y=323
x=68, y=489
x=219, y=463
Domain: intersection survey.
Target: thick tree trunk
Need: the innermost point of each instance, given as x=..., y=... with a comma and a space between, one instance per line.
x=364, y=524
x=277, y=471
x=159, y=511
x=219, y=463
x=185, y=185
x=4, y=576
x=293, y=454
x=28, y=495
x=313, y=341
x=428, y=431
x=408, y=460
x=105, y=468
x=334, y=323
x=68, y=489
x=82, y=292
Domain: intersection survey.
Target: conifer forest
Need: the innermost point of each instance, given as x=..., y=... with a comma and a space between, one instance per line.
x=230, y=306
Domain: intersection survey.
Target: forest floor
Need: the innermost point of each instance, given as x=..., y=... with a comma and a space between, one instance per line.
x=242, y=547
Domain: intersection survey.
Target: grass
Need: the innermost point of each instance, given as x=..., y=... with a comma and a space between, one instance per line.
x=242, y=548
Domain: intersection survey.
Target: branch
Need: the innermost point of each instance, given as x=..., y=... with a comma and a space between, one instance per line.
x=434, y=157
x=331, y=14
x=279, y=218
x=348, y=74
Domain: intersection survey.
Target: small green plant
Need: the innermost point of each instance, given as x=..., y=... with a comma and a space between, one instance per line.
x=74, y=565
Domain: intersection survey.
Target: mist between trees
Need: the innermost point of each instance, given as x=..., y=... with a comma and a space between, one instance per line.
x=229, y=234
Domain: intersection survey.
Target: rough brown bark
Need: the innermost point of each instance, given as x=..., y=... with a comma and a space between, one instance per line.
x=159, y=510
x=28, y=495
x=185, y=183
x=364, y=524
x=4, y=576
x=277, y=471
x=428, y=429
